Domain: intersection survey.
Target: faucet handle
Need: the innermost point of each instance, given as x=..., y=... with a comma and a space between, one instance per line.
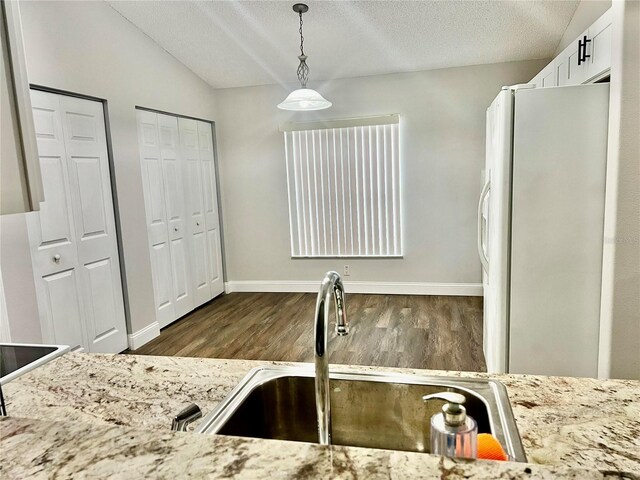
x=342, y=324
x=185, y=417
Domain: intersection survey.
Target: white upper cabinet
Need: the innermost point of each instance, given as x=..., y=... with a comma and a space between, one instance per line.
x=599, y=48
x=586, y=59
x=571, y=67
x=549, y=76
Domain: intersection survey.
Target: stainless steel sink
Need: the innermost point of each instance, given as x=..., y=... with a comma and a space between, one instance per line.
x=372, y=410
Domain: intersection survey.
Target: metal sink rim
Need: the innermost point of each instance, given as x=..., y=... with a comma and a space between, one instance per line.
x=501, y=417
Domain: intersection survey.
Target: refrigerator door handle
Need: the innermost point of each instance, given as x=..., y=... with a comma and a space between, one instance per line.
x=483, y=256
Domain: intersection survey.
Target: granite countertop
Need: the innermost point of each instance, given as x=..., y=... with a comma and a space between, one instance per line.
x=84, y=450
x=90, y=413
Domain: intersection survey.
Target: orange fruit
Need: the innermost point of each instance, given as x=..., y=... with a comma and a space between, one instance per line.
x=489, y=448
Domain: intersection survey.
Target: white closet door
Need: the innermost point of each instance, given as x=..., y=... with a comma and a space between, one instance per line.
x=212, y=220
x=193, y=188
x=165, y=212
x=175, y=208
x=94, y=220
x=156, y=216
x=74, y=241
x=51, y=233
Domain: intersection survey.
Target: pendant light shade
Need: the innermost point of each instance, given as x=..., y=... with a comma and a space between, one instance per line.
x=303, y=99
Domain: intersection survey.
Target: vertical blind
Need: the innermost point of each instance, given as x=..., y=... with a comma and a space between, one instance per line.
x=343, y=180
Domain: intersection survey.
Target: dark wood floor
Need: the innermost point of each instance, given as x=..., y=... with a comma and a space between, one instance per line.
x=386, y=330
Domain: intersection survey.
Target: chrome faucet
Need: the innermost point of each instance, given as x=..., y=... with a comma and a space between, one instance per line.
x=331, y=285
x=187, y=416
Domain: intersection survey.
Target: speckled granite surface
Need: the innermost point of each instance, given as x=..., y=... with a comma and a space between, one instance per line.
x=600, y=431
x=80, y=450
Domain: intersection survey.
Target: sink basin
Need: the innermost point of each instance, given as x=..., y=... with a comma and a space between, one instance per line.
x=371, y=410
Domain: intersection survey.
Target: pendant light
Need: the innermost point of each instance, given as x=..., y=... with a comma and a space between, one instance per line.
x=303, y=99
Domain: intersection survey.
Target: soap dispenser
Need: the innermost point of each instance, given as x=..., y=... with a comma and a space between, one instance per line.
x=453, y=432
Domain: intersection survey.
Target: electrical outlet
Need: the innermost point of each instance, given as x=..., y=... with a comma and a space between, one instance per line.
x=347, y=270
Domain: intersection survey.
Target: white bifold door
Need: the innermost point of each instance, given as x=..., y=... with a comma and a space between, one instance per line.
x=179, y=181
x=73, y=237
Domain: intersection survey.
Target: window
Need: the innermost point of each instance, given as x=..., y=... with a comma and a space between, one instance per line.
x=343, y=180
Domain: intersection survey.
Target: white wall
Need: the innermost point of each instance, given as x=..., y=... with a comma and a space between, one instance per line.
x=17, y=280
x=620, y=310
x=588, y=11
x=442, y=154
x=5, y=333
x=88, y=48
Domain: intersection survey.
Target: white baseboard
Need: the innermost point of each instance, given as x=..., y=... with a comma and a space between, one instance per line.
x=144, y=335
x=385, y=288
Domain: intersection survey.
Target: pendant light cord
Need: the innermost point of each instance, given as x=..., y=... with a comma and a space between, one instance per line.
x=303, y=68
x=301, y=37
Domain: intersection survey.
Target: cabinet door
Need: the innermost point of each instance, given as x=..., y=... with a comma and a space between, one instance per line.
x=196, y=229
x=537, y=80
x=548, y=76
x=156, y=216
x=52, y=233
x=574, y=74
x=600, y=46
x=561, y=66
x=212, y=219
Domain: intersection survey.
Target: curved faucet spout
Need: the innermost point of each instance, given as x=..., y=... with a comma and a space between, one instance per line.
x=331, y=285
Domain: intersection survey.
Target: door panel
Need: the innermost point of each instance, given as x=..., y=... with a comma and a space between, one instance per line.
x=193, y=185
x=196, y=209
x=152, y=177
x=175, y=208
x=51, y=233
x=208, y=175
x=89, y=182
x=173, y=190
x=104, y=307
x=161, y=267
x=498, y=214
x=62, y=308
x=156, y=215
x=199, y=251
x=94, y=220
x=51, y=229
x=55, y=219
x=214, y=246
x=73, y=237
x=180, y=269
x=212, y=220
x=560, y=147
x=166, y=213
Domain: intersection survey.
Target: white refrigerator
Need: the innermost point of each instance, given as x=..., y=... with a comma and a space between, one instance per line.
x=540, y=229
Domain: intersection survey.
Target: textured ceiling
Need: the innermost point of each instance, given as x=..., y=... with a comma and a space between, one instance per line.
x=241, y=43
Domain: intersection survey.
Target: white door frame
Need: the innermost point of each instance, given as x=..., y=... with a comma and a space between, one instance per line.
x=114, y=193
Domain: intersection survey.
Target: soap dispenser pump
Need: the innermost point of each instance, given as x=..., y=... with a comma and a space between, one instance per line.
x=453, y=432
